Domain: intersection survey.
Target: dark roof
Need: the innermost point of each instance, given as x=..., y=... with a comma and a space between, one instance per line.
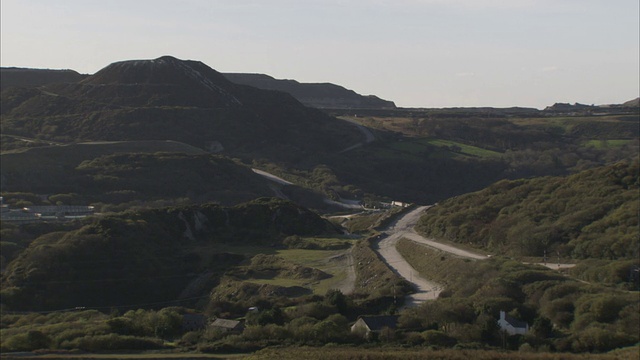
x=515, y=322
x=376, y=323
x=225, y=323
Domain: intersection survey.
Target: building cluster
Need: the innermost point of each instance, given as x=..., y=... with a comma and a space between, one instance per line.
x=368, y=327
x=35, y=214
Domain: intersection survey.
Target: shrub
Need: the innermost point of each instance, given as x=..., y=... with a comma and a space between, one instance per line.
x=32, y=340
x=112, y=342
x=438, y=338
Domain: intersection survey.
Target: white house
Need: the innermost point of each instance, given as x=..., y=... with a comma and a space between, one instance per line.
x=511, y=325
x=366, y=325
x=400, y=204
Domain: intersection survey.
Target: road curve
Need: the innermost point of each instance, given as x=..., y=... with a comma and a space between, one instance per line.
x=368, y=135
x=386, y=247
x=404, y=228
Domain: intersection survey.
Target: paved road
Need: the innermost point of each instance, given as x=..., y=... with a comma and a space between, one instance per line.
x=386, y=247
x=368, y=135
x=272, y=177
x=404, y=228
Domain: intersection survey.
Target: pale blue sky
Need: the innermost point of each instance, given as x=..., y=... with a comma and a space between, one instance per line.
x=418, y=53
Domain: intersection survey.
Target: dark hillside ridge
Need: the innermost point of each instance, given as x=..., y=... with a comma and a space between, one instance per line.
x=152, y=256
x=632, y=103
x=318, y=95
x=121, y=172
x=25, y=77
x=180, y=100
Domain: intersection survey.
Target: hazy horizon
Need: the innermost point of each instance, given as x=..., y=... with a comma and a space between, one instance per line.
x=417, y=53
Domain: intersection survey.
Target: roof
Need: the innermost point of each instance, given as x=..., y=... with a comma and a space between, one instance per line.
x=379, y=322
x=515, y=322
x=225, y=323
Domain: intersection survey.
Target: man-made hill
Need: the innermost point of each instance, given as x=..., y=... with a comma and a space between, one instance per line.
x=632, y=103
x=592, y=214
x=24, y=77
x=171, y=99
x=629, y=107
x=319, y=95
x=137, y=258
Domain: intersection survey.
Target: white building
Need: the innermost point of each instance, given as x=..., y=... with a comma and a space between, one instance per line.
x=511, y=325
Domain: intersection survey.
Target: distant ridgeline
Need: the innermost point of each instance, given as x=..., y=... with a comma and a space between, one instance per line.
x=169, y=99
x=319, y=95
x=24, y=77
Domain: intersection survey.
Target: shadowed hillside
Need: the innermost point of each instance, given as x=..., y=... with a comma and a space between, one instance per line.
x=319, y=95
x=124, y=172
x=24, y=77
x=171, y=99
x=145, y=257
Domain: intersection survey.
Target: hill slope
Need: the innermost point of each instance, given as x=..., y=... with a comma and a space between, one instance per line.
x=592, y=214
x=25, y=77
x=319, y=95
x=171, y=99
x=120, y=172
x=146, y=257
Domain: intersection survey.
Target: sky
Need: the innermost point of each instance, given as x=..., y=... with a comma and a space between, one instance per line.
x=417, y=53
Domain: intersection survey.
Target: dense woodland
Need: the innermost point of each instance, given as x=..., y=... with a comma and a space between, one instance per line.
x=592, y=214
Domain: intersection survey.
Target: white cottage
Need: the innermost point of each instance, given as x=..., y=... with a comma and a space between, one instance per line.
x=511, y=325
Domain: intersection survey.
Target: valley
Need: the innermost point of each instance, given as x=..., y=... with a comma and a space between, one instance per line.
x=296, y=214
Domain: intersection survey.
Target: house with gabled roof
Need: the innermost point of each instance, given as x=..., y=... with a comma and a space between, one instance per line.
x=227, y=325
x=511, y=325
x=368, y=325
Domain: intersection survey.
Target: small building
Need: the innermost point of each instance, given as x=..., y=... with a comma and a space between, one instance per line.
x=400, y=204
x=511, y=325
x=227, y=325
x=368, y=325
x=60, y=212
x=193, y=322
x=19, y=217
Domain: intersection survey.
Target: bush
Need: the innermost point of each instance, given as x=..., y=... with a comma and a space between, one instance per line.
x=112, y=342
x=438, y=338
x=32, y=340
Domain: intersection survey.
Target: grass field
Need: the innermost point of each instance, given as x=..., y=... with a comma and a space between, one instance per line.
x=350, y=352
x=421, y=147
x=465, y=149
x=329, y=261
x=603, y=144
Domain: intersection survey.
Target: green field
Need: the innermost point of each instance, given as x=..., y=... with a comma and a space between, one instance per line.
x=328, y=261
x=420, y=147
x=465, y=149
x=603, y=144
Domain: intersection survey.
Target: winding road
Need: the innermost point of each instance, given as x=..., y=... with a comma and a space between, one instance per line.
x=404, y=228
x=386, y=247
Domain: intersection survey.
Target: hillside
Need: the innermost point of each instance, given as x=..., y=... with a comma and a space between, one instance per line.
x=319, y=95
x=130, y=173
x=171, y=99
x=25, y=77
x=145, y=257
x=592, y=214
x=632, y=103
